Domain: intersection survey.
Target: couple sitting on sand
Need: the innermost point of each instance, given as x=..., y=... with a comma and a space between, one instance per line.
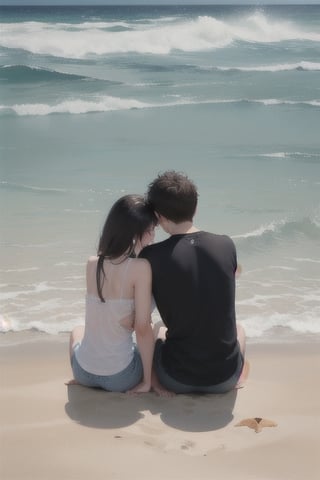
x=190, y=276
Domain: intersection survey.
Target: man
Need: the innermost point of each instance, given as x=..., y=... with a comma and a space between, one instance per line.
x=193, y=275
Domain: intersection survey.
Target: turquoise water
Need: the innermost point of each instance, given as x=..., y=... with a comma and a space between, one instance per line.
x=95, y=101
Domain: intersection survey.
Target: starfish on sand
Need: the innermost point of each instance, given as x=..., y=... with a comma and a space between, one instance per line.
x=257, y=423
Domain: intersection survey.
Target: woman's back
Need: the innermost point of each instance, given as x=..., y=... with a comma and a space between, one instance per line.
x=118, y=302
x=118, y=280
x=107, y=346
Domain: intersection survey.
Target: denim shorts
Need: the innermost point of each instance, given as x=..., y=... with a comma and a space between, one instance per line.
x=119, y=382
x=177, y=387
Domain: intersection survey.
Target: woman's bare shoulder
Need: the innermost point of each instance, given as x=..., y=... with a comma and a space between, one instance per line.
x=92, y=261
x=140, y=262
x=141, y=266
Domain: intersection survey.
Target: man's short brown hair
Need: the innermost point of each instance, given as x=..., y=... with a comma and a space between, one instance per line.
x=174, y=196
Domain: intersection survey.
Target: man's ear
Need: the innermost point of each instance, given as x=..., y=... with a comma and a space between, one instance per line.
x=161, y=218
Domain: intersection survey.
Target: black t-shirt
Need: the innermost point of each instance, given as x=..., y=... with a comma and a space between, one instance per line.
x=194, y=289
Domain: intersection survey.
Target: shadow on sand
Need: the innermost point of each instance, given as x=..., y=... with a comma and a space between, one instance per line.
x=193, y=413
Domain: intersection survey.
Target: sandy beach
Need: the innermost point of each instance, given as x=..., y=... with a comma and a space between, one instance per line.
x=50, y=430
x=96, y=101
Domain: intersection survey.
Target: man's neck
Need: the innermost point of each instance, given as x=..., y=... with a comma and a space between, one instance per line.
x=182, y=228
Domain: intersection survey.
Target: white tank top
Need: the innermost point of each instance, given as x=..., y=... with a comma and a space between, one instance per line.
x=107, y=346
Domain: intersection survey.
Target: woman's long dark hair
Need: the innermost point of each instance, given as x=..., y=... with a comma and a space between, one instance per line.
x=129, y=218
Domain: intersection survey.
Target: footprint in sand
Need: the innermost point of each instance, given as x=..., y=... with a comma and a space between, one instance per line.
x=186, y=445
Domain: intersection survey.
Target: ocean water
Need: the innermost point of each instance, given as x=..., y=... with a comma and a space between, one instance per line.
x=95, y=101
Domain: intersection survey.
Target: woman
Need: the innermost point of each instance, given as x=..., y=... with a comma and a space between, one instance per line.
x=118, y=303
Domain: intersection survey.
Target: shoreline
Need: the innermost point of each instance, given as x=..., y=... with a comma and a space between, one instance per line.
x=50, y=430
x=277, y=336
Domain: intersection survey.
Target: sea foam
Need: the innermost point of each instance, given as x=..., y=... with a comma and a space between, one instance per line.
x=109, y=103
x=302, y=66
x=277, y=230
x=200, y=34
x=256, y=326
x=104, y=104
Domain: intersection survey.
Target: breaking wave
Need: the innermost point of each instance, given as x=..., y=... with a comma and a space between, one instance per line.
x=109, y=103
x=24, y=73
x=302, y=66
x=193, y=35
x=278, y=231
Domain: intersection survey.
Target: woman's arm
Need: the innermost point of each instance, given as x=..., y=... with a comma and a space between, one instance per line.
x=142, y=322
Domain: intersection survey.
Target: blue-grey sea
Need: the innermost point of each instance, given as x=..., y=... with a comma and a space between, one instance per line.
x=95, y=101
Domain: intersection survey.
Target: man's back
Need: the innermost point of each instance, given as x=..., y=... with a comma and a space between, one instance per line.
x=194, y=289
